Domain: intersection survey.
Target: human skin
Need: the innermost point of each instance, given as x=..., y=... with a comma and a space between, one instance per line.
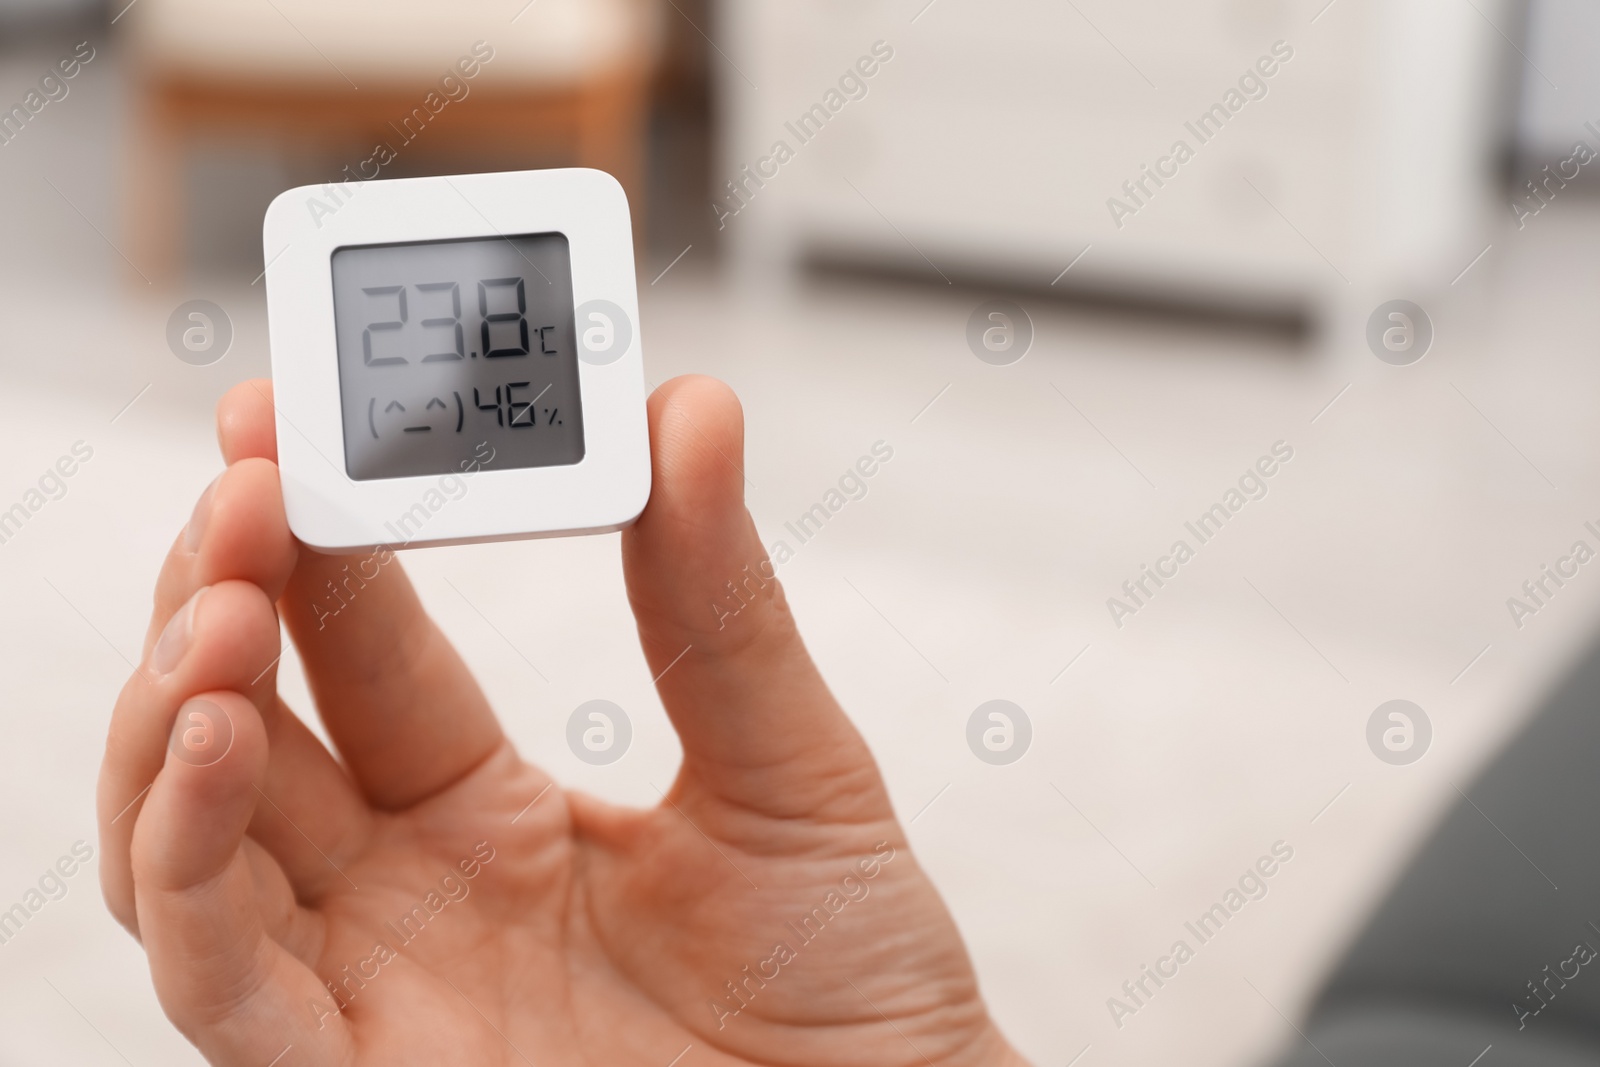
x=595, y=934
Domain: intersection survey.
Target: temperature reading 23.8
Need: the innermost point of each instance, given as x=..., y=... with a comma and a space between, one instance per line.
x=445, y=344
x=502, y=314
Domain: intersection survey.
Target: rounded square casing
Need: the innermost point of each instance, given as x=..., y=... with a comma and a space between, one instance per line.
x=330, y=511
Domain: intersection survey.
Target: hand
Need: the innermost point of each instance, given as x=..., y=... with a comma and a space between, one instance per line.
x=426, y=897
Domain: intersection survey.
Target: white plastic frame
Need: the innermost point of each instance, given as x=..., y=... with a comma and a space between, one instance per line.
x=329, y=511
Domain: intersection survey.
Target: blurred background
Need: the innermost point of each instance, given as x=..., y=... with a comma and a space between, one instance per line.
x=1166, y=317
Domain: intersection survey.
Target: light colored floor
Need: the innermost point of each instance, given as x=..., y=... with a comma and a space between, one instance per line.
x=1174, y=751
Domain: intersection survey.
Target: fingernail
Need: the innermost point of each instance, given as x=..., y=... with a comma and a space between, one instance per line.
x=197, y=520
x=174, y=640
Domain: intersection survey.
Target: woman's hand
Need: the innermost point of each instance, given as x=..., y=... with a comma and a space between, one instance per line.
x=423, y=896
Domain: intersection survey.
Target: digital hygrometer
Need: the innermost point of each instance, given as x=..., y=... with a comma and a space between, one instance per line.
x=456, y=359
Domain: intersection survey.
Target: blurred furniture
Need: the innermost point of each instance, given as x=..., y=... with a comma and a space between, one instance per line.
x=1559, y=42
x=1475, y=944
x=567, y=84
x=989, y=145
x=14, y=12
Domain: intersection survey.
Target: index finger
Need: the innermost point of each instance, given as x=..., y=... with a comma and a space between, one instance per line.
x=402, y=708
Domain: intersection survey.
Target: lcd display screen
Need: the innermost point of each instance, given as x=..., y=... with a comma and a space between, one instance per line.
x=446, y=345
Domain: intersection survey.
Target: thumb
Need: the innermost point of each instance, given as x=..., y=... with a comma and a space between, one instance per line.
x=759, y=727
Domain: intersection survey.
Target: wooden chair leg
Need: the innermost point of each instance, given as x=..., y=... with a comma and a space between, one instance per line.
x=612, y=127
x=153, y=195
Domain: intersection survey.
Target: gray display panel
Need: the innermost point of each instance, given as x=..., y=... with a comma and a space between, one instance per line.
x=446, y=345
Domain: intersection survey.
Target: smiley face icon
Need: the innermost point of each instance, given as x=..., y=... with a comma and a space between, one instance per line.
x=433, y=414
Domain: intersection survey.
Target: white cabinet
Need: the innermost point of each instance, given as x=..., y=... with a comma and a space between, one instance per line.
x=992, y=142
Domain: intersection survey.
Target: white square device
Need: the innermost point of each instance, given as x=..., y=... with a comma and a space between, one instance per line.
x=456, y=359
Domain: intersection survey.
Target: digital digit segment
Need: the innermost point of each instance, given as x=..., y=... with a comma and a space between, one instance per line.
x=443, y=345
